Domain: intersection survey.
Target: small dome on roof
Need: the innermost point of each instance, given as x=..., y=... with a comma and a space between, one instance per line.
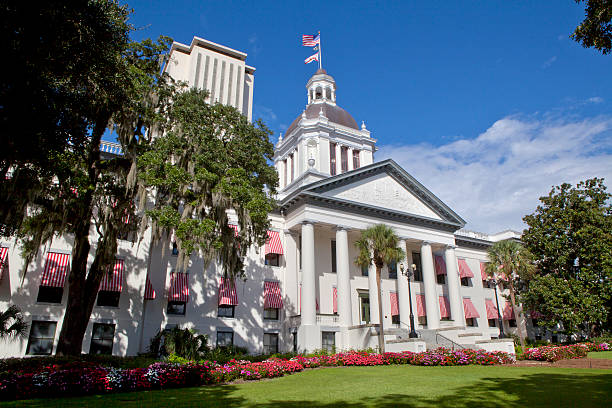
x=333, y=113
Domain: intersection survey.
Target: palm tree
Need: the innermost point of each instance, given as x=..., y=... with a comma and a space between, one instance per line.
x=12, y=324
x=378, y=246
x=509, y=259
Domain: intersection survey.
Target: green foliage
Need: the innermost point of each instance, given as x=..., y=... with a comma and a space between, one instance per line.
x=570, y=235
x=596, y=28
x=12, y=324
x=210, y=160
x=378, y=246
x=182, y=343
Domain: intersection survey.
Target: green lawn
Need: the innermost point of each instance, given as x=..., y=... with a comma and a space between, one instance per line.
x=383, y=386
x=601, y=354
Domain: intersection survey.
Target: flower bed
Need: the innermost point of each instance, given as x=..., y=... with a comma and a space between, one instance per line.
x=556, y=353
x=82, y=378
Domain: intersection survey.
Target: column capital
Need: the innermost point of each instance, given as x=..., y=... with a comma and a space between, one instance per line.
x=451, y=246
x=425, y=243
x=308, y=222
x=341, y=228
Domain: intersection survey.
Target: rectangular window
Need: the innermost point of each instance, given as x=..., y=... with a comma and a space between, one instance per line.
x=295, y=348
x=102, y=337
x=273, y=259
x=355, y=159
x=423, y=320
x=108, y=298
x=48, y=294
x=485, y=284
x=364, y=271
x=392, y=270
x=40, y=341
x=333, y=256
x=292, y=166
x=344, y=158
x=466, y=282
x=441, y=279
x=271, y=314
x=471, y=322
x=512, y=323
x=174, y=249
x=225, y=338
x=270, y=343
x=328, y=341
x=418, y=273
x=395, y=319
x=492, y=322
x=285, y=173
x=176, y=308
x=300, y=246
x=226, y=311
x=332, y=159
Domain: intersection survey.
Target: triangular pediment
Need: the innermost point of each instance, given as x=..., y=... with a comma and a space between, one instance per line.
x=383, y=191
x=382, y=187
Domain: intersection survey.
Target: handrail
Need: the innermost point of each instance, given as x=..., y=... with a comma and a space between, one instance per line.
x=111, y=148
x=453, y=344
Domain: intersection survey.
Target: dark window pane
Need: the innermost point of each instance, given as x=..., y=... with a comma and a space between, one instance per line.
x=108, y=298
x=102, y=337
x=492, y=323
x=364, y=271
x=225, y=311
x=441, y=279
x=465, y=282
x=271, y=314
x=395, y=319
x=48, y=294
x=40, y=341
x=225, y=339
x=176, y=308
x=273, y=259
x=270, y=343
x=328, y=340
x=392, y=270
x=333, y=256
x=416, y=260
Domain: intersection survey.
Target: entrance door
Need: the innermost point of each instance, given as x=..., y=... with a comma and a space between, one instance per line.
x=364, y=306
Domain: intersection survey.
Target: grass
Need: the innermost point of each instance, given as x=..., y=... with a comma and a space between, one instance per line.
x=607, y=355
x=382, y=386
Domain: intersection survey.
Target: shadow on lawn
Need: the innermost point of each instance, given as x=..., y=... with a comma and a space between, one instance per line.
x=584, y=390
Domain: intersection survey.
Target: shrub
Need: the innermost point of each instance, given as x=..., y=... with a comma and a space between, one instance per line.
x=185, y=343
x=556, y=353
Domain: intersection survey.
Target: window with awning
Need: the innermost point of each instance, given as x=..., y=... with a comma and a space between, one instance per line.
x=491, y=309
x=469, y=309
x=112, y=281
x=179, y=287
x=444, y=307
x=227, y=292
x=335, y=299
x=420, y=303
x=273, y=243
x=149, y=290
x=394, y=304
x=483, y=273
x=440, y=265
x=508, y=312
x=464, y=269
x=272, y=296
x=56, y=268
x=3, y=260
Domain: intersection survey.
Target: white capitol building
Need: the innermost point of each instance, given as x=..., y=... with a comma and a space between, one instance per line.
x=303, y=290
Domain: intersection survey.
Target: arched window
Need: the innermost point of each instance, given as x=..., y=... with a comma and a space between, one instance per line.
x=328, y=93
x=319, y=93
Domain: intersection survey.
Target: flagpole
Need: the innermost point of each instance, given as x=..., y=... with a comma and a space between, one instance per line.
x=320, y=62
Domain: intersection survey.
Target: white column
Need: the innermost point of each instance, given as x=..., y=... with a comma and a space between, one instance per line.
x=309, y=334
x=343, y=276
x=373, y=292
x=429, y=283
x=454, y=298
x=402, y=290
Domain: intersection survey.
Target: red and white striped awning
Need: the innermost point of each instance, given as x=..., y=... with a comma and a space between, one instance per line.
x=235, y=228
x=149, y=291
x=3, y=259
x=227, y=292
x=440, y=265
x=56, y=268
x=394, y=304
x=113, y=280
x=444, y=307
x=483, y=271
x=464, y=269
x=491, y=309
x=273, y=299
x=421, y=309
x=179, y=287
x=335, y=299
x=469, y=309
x=273, y=243
x=508, y=311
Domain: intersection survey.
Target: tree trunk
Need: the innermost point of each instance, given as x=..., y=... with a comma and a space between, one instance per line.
x=381, y=334
x=519, y=327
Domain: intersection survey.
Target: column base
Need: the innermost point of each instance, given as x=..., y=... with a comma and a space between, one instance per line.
x=309, y=338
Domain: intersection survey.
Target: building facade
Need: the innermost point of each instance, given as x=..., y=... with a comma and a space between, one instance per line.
x=302, y=291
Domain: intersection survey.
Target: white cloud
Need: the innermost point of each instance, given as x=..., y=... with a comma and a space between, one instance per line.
x=549, y=62
x=265, y=113
x=495, y=179
x=595, y=99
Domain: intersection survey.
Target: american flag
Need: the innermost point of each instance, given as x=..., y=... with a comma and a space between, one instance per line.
x=310, y=40
x=314, y=57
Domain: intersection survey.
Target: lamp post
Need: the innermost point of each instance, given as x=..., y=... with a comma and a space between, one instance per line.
x=493, y=282
x=408, y=274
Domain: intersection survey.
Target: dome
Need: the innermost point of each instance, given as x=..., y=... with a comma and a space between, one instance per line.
x=334, y=114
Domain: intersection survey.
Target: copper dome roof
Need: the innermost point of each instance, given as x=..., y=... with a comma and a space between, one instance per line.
x=334, y=114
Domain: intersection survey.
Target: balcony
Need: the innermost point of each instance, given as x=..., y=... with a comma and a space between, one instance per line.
x=111, y=148
x=322, y=320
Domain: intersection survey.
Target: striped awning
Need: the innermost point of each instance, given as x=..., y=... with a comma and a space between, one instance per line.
x=491, y=309
x=440, y=265
x=273, y=298
x=273, y=243
x=227, y=292
x=235, y=228
x=508, y=312
x=149, y=291
x=113, y=280
x=483, y=271
x=179, y=287
x=469, y=309
x=464, y=269
x=394, y=304
x=335, y=299
x=444, y=307
x=3, y=259
x=421, y=309
x=56, y=268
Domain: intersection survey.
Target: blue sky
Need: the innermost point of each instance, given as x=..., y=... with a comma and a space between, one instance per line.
x=488, y=104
